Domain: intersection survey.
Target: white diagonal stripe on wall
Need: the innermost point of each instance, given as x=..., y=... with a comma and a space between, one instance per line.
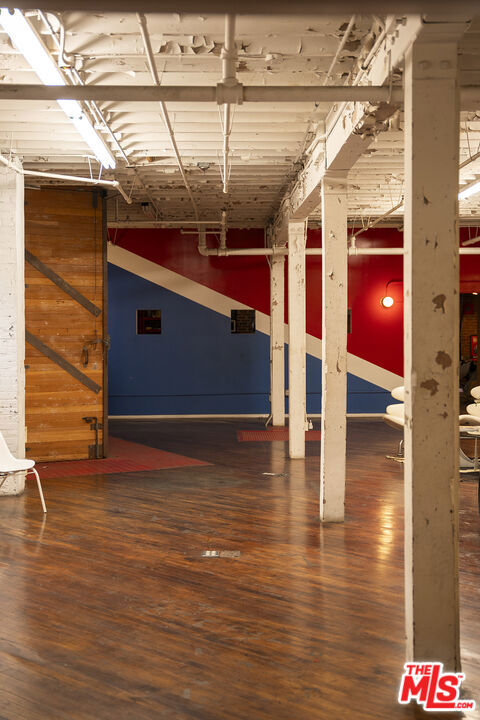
x=223, y=304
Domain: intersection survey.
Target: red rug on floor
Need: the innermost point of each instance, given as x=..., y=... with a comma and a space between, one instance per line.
x=273, y=435
x=124, y=457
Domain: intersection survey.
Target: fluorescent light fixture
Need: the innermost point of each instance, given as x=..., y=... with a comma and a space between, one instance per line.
x=26, y=40
x=471, y=189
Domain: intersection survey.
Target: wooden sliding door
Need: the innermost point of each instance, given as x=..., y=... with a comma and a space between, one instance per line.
x=66, y=331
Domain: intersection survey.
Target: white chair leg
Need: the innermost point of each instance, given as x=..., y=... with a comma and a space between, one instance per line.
x=40, y=491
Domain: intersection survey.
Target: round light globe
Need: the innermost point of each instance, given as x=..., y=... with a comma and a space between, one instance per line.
x=387, y=301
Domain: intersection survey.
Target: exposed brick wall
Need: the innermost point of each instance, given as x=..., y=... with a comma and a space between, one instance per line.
x=12, y=323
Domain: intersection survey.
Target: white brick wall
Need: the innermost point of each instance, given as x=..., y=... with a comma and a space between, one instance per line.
x=12, y=320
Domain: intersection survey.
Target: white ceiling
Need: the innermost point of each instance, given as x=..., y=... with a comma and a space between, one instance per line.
x=268, y=141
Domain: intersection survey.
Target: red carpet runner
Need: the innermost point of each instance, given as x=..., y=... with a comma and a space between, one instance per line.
x=272, y=435
x=124, y=457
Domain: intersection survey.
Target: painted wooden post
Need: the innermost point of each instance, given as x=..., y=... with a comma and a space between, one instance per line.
x=334, y=347
x=277, y=339
x=296, y=339
x=12, y=320
x=431, y=352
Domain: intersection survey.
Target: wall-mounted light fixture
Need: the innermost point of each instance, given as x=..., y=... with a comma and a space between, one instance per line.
x=387, y=300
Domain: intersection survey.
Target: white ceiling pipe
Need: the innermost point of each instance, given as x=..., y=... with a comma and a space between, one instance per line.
x=366, y=63
x=229, y=252
x=471, y=241
x=69, y=178
x=163, y=108
x=339, y=49
x=202, y=242
x=375, y=251
x=164, y=223
x=85, y=181
x=10, y=164
x=229, y=78
x=223, y=231
x=469, y=160
x=376, y=222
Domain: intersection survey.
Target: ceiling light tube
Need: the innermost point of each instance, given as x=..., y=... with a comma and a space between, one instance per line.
x=26, y=40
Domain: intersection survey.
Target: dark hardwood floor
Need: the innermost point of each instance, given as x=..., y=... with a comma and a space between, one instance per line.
x=108, y=611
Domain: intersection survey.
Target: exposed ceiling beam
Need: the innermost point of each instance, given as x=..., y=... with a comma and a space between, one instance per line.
x=375, y=94
x=196, y=93
x=253, y=7
x=353, y=127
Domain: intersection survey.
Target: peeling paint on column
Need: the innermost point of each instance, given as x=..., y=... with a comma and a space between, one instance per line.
x=431, y=280
x=12, y=319
x=439, y=303
x=443, y=359
x=430, y=385
x=296, y=339
x=277, y=340
x=334, y=357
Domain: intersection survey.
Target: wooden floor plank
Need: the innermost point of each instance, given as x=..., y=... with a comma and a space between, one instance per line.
x=110, y=612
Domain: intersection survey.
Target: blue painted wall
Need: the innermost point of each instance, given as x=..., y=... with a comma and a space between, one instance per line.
x=196, y=366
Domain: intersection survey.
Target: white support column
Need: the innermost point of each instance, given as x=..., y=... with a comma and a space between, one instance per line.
x=277, y=339
x=431, y=352
x=334, y=344
x=297, y=235
x=12, y=320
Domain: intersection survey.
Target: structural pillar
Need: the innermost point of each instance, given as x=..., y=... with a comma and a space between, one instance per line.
x=431, y=281
x=297, y=235
x=277, y=338
x=334, y=347
x=12, y=320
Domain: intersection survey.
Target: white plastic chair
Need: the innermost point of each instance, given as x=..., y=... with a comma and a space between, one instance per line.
x=473, y=409
x=475, y=393
x=395, y=417
x=398, y=393
x=9, y=465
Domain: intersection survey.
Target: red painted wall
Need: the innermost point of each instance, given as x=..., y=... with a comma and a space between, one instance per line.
x=377, y=331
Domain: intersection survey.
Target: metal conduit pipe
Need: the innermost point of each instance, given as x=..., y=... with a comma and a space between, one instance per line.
x=469, y=160
x=202, y=242
x=340, y=48
x=70, y=178
x=366, y=63
x=163, y=108
x=229, y=79
x=86, y=181
x=223, y=231
x=167, y=224
x=232, y=252
x=376, y=222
